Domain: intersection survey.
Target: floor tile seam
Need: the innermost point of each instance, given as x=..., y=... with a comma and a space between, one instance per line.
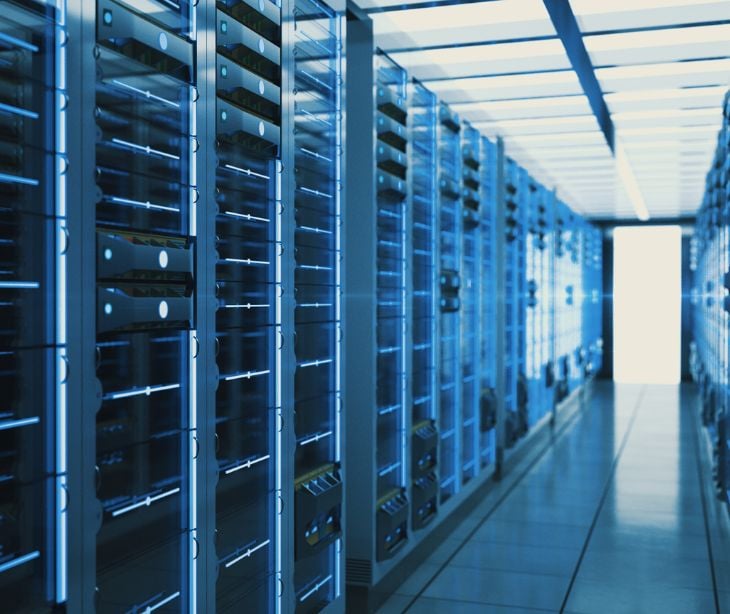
x=701, y=481
x=520, y=572
x=606, y=490
x=483, y=603
x=564, y=429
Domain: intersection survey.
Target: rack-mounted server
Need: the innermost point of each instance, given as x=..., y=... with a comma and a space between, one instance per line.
x=33, y=349
x=449, y=163
x=425, y=307
x=488, y=326
x=539, y=304
x=710, y=263
x=202, y=339
x=209, y=188
x=317, y=199
x=569, y=355
x=248, y=273
x=592, y=301
x=470, y=274
x=515, y=199
x=377, y=252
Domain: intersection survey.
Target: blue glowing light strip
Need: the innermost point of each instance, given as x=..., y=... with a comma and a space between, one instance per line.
x=278, y=398
x=21, y=560
x=13, y=424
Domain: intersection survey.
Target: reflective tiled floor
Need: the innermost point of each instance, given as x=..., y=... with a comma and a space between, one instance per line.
x=610, y=519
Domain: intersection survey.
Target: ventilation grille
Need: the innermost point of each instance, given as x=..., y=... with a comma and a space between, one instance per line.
x=359, y=571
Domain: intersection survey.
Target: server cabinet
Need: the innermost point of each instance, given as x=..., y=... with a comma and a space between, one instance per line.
x=539, y=361
x=450, y=246
x=424, y=265
x=568, y=301
x=33, y=232
x=316, y=33
x=250, y=257
x=142, y=78
x=710, y=263
x=471, y=195
x=488, y=325
x=515, y=388
x=378, y=305
x=592, y=300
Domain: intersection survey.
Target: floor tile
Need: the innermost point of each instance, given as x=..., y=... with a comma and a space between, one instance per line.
x=639, y=567
x=418, y=580
x=591, y=597
x=724, y=600
x=425, y=605
x=647, y=550
x=531, y=534
x=517, y=558
x=396, y=604
x=499, y=588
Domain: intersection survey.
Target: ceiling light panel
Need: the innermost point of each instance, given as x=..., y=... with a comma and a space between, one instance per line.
x=524, y=109
x=490, y=59
x=670, y=45
x=467, y=24
x=700, y=73
x=595, y=16
x=507, y=87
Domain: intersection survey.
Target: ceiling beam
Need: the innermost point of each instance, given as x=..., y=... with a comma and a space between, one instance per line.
x=566, y=26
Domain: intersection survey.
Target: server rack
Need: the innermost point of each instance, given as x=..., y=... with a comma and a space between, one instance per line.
x=250, y=400
x=488, y=325
x=450, y=246
x=568, y=301
x=317, y=44
x=424, y=261
x=710, y=361
x=33, y=234
x=515, y=389
x=539, y=304
x=471, y=195
x=377, y=252
x=142, y=206
x=592, y=303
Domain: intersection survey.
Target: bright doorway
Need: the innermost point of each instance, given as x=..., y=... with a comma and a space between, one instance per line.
x=647, y=299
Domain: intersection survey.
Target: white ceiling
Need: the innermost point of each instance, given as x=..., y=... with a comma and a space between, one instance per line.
x=663, y=66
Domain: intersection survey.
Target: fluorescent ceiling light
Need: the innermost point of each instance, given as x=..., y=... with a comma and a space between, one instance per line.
x=549, y=122
x=464, y=16
x=474, y=54
x=664, y=69
x=628, y=180
x=663, y=94
x=506, y=81
x=670, y=37
x=582, y=7
x=527, y=104
x=714, y=115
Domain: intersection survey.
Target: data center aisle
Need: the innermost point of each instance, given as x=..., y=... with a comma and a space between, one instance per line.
x=611, y=518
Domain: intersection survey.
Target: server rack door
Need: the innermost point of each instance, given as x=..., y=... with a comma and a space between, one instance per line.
x=391, y=181
x=470, y=282
x=248, y=319
x=532, y=317
x=145, y=101
x=424, y=258
x=317, y=44
x=488, y=305
x=514, y=395
x=450, y=227
x=32, y=307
